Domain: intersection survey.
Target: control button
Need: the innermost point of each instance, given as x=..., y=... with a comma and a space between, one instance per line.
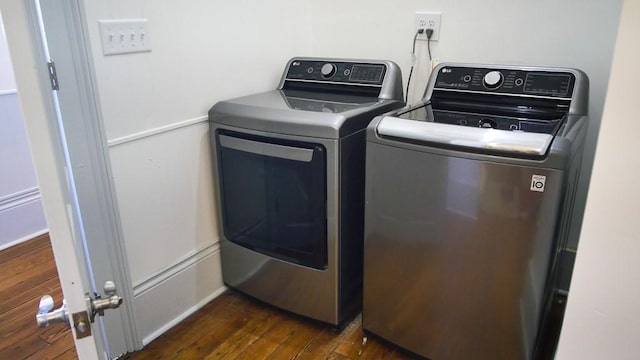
x=466, y=78
x=328, y=70
x=519, y=81
x=310, y=70
x=493, y=79
x=488, y=124
x=347, y=72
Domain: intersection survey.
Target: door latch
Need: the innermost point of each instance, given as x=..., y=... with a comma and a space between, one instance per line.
x=46, y=316
x=97, y=305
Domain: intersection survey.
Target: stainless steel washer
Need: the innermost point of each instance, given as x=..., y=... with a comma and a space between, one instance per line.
x=289, y=167
x=468, y=199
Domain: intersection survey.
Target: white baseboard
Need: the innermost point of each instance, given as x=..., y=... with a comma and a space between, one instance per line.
x=168, y=297
x=21, y=217
x=23, y=239
x=8, y=92
x=149, y=338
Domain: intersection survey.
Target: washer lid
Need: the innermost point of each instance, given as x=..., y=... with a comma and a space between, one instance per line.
x=491, y=140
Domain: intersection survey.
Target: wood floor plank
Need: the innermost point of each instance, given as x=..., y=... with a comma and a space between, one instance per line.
x=29, y=272
x=350, y=340
x=375, y=350
x=253, y=329
x=265, y=344
x=23, y=314
x=26, y=262
x=21, y=344
x=296, y=341
x=234, y=326
x=231, y=326
x=24, y=281
x=55, y=349
x=26, y=247
x=30, y=298
x=322, y=346
x=70, y=354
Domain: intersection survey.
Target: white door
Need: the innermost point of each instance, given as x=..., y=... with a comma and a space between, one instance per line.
x=69, y=151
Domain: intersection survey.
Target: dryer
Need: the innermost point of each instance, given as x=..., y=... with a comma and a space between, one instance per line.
x=289, y=169
x=468, y=200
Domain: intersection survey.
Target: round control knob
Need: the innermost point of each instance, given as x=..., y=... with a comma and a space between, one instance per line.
x=488, y=124
x=328, y=70
x=493, y=79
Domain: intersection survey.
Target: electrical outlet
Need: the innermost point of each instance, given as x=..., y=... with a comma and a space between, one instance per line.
x=124, y=36
x=428, y=20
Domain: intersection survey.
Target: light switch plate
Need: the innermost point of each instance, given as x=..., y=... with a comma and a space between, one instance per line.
x=124, y=36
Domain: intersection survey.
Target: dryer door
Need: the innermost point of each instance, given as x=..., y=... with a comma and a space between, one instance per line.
x=273, y=195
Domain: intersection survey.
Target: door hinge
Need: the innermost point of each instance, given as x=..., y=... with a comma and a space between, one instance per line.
x=53, y=76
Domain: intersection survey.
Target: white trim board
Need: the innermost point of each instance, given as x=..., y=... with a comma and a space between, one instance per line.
x=155, y=131
x=23, y=239
x=8, y=92
x=19, y=198
x=182, y=264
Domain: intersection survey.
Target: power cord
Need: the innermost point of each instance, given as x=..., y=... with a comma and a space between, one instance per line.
x=429, y=33
x=413, y=61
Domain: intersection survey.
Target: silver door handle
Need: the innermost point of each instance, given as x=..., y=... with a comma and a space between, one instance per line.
x=98, y=305
x=46, y=316
x=261, y=148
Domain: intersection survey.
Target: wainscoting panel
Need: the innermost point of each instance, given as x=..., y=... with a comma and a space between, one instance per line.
x=21, y=214
x=169, y=297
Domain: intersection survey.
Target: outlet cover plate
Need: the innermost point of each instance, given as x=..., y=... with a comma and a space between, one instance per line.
x=428, y=20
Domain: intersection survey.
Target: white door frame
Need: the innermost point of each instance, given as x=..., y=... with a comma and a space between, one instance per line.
x=78, y=143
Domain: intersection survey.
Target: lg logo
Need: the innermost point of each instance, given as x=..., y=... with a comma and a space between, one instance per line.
x=537, y=182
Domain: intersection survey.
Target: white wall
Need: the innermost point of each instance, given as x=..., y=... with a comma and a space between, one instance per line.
x=568, y=33
x=154, y=107
x=21, y=214
x=7, y=81
x=602, y=319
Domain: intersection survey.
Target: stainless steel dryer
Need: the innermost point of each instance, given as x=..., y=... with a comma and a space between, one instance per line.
x=289, y=170
x=468, y=199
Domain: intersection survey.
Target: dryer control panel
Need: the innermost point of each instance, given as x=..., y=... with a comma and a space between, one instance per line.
x=506, y=81
x=336, y=72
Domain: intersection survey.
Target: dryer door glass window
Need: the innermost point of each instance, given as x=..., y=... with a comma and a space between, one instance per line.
x=273, y=195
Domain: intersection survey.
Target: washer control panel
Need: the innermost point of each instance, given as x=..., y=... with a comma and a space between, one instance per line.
x=506, y=81
x=336, y=72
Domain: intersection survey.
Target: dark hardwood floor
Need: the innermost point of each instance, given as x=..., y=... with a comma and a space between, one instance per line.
x=231, y=326
x=29, y=272
x=234, y=326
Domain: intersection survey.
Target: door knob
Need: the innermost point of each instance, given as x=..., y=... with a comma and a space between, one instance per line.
x=98, y=305
x=46, y=316
x=46, y=304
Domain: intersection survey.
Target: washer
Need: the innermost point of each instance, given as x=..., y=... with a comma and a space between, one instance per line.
x=289, y=169
x=468, y=199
